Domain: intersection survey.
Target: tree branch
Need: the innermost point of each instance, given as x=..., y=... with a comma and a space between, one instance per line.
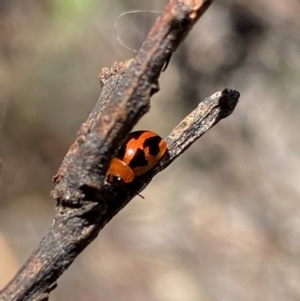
x=85, y=203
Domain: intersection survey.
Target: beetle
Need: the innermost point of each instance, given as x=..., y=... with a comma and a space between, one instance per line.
x=141, y=151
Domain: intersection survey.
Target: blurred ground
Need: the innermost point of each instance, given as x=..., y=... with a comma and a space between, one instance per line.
x=222, y=223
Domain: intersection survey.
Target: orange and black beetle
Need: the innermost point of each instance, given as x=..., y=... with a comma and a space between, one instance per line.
x=141, y=151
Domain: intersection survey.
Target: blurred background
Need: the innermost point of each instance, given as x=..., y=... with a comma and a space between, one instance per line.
x=223, y=221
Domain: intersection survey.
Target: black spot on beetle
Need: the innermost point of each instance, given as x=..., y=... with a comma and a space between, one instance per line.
x=121, y=152
x=153, y=144
x=138, y=159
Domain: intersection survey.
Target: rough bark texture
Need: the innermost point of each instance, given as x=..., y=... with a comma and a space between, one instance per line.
x=85, y=203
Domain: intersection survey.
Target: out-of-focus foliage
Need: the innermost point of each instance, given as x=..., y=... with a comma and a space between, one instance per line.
x=221, y=223
x=71, y=8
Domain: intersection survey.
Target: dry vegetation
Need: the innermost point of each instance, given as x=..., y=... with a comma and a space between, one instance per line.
x=222, y=223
